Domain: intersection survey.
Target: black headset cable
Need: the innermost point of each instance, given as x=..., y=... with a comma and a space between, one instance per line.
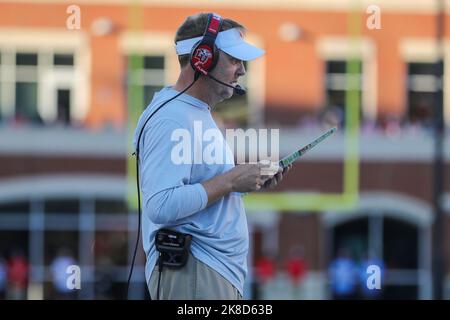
x=136, y=153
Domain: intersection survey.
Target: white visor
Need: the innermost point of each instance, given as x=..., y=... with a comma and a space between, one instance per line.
x=229, y=41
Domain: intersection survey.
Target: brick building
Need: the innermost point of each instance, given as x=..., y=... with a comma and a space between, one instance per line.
x=65, y=104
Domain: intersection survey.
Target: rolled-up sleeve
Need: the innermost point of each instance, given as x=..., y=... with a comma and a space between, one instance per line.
x=168, y=194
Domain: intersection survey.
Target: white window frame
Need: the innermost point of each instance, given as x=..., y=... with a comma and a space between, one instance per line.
x=402, y=208
x=46, y=42
x=341, y=48
x=426, y=50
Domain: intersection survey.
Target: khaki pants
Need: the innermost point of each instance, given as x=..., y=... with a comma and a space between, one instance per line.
x=195, y=281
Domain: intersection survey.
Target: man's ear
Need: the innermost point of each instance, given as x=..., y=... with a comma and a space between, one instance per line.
x=187, y=70
x=186, y=67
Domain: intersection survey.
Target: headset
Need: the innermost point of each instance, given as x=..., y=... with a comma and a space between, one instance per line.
x=203, y=59
x=205, y=54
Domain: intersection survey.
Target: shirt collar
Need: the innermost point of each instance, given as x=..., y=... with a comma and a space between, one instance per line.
x=190, y=99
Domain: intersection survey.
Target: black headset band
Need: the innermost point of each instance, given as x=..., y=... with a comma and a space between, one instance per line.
x=204, y=54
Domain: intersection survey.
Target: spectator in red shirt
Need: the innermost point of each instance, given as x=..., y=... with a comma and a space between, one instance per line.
x=17, y=276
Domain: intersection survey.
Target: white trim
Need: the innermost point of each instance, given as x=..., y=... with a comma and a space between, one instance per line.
x=83, y=68
x=418, y=49
x=50, y=81
x=408, y=146
x=426, y=50
x=322, y=5
x=36, y=39
x=63, y=141
x=62, y=186
x=399, y=206
x=8, y=79
x=341, y=48
x=50, y=41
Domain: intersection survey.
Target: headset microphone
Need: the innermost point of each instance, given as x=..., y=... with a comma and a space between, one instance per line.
x=237, y=89
x=240, y=90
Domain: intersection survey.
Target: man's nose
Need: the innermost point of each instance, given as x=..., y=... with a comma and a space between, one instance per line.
x=241, y=69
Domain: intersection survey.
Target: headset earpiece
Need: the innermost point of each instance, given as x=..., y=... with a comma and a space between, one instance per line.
x=204, y=57
x=204, y=54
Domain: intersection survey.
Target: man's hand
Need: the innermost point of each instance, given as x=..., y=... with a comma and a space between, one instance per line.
x=250, y=177
x=273, y=182
x=244, y=178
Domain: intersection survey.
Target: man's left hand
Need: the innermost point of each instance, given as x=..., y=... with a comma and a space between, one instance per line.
x=272, y=183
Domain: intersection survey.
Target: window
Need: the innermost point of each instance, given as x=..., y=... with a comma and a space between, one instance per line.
x=400, y=237
x=26, y=59
x=153, y=62
x=337, y=82
x=36, y=87
x=353, y=237
x=63, y=59
x=63, y=106
x=422, y=86
x=109, y=206
x=154, y=79
x=26, y=97
x=60, y=242
x=15, y=207
x=378, y=239
x=61, y=206
x=26, y=101
x=145, y=76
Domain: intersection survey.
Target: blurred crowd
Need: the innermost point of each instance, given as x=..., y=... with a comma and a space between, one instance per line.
x=15, y=275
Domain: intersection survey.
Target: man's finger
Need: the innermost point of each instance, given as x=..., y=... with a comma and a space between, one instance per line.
x=287, y=169
x=270, y=183
x=279, y=177
x=273, y=183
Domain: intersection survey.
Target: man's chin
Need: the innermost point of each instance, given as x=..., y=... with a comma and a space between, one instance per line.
x=227, y=94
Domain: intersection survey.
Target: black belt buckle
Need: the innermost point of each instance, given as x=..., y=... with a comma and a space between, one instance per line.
x=173, y=247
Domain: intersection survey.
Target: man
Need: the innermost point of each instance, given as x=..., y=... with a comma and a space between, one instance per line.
x=195, y=197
